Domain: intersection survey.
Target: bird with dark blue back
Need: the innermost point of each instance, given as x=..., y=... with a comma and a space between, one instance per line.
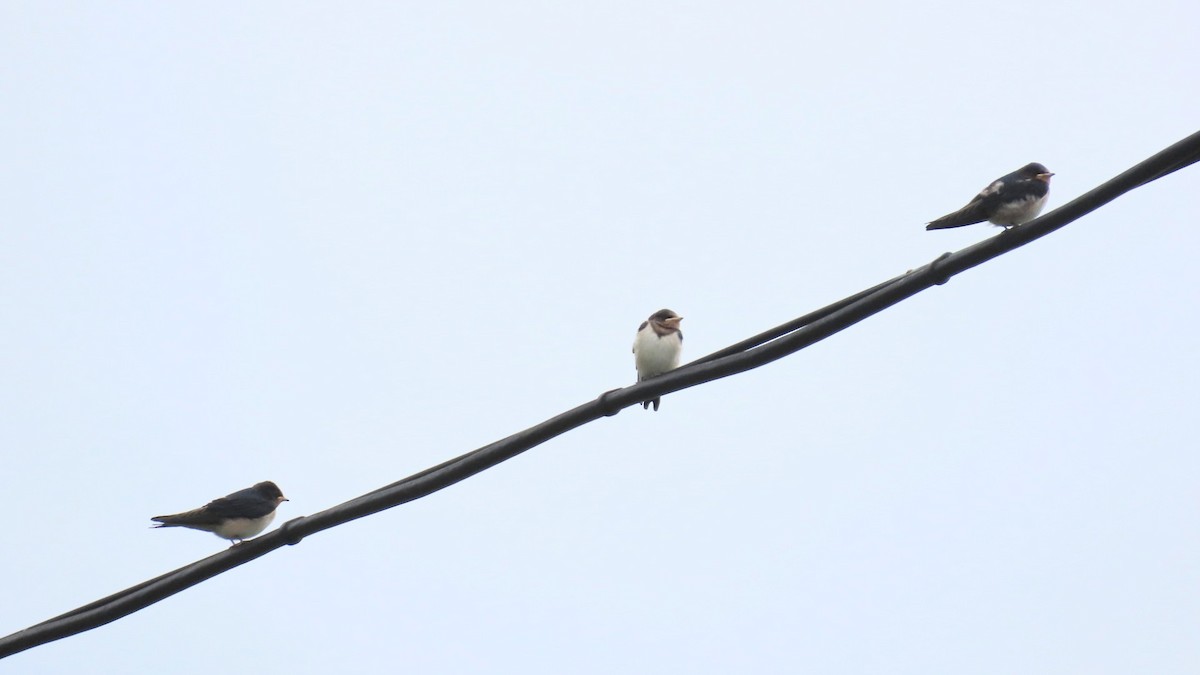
x=1009, y=201
x=237, y=516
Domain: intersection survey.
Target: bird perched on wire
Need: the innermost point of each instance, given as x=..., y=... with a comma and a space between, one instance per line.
x=657, y=346
x=238, y=516
x=1014, y=199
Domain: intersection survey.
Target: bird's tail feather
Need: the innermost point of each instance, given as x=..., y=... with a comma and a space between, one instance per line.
x=968, y=215
x=938, y=225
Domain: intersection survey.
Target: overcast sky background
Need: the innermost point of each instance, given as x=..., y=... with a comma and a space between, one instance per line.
x=331, y=245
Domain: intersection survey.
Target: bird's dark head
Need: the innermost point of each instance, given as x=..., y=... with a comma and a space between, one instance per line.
x=667, y=318
x=1035, y=171
x=270, y=491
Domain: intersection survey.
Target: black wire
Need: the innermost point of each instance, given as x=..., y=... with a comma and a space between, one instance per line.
x=751, y=353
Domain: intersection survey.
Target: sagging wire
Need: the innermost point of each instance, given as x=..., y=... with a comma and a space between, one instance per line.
x=766, y=347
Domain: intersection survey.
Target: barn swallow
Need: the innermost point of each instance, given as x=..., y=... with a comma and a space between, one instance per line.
x=657, y=346
x=1014, y=199
x=238, y=516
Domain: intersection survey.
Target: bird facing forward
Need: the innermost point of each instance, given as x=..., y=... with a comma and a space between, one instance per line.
x=1012, y=200
x=656, y=347
x=238, y=516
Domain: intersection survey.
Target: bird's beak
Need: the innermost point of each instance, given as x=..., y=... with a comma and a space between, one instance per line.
x=1044, y=176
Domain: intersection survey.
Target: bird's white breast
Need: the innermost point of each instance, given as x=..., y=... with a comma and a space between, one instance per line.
x=654, y=355
x=1016, y=213
x=243, y=528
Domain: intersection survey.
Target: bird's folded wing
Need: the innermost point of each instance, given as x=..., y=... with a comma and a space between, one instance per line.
x=974, y=212
x=239, y=507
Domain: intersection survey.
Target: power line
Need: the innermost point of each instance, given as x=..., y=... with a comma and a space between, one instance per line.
x=750, y=353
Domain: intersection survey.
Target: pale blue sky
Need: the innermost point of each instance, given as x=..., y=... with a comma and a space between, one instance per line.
x=330, y=245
